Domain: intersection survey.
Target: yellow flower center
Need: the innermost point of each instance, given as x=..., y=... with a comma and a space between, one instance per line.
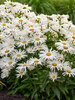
x=24, y=42
x=25, y=65
x=10, y=62
x=8, y=26
x=5, y=74
x=19, y=35
x=40, y=47
x=17, y=24
x=7, y=15
x=69, y=71
x=18, y=55
x=21, y=73
x=20, y=20
x=73, y=42
x=66, y=22
x=31, y=26
x=54, y=64
x=11, y=31
x=53, y=76
x=49, y=21
x=10, y=45
x=4, y=24
x=6, y=51
x=0, y=33
x=7, y=68
x=63, y=43
x=37, y=39
x=36, y=61
x=31, y=29
x=48, y=54
x=65, y=47
x=73, y=37
x=59, y=57
x=38, y=18
x=30, y=51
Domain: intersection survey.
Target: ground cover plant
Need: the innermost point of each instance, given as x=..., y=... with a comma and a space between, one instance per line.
x=37, y=53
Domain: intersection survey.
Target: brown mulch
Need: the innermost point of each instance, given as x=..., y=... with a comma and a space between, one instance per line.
x=4, y=96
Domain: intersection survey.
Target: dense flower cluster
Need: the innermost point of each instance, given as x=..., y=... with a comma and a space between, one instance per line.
x=23, y=41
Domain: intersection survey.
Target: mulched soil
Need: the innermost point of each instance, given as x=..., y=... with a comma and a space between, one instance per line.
x=4, y=96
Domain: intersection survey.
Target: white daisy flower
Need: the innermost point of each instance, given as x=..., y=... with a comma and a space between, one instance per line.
x=2, y=35
x=4, y=74
x=31, y=67
x=69, y=71
x=61, y=43
x=30, y=50
x=6, y=61
x=6, y=50
x=9, y=44
x=20, y=72
x=65, y=64
x=4, y=25
x=23, y=42
x=20, y=34
x=60, y=56
x=34, y=61
x=6, y=69
x=38, y=40
x=53, y=76
x=72, y=37
x=18, y=54
x=55, y=65
x=73, y=43
x=48, y=54
x=41, y=47
x=64, y=47
x=24, y=65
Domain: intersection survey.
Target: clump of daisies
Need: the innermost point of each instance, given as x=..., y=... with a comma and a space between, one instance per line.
x=23, y=41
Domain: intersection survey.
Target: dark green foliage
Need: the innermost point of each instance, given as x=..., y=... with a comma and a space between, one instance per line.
x=42, y=6
x=2, y=1
x=66, y=7
x=36, y=84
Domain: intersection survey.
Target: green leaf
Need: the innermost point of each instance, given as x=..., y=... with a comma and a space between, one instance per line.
x=48, y=91
x=63, y=90
x=12, y=92
x=67, y=98
x=56, y=92
x=26, y=95
x=36, y=96
x=73, y=94
x=34, y=92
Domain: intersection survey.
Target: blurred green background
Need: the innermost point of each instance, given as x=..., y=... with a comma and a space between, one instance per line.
x=51, y=6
